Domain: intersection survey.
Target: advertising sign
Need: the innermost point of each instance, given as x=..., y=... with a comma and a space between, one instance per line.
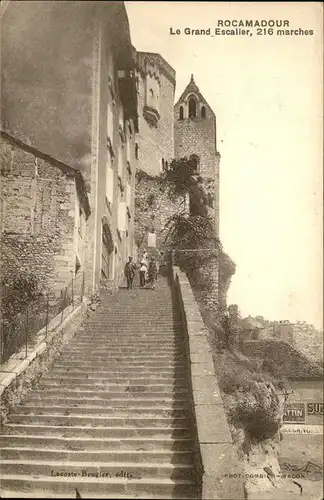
x=295, y=412
x=314, y=408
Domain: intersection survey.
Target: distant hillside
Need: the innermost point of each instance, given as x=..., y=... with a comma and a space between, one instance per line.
x=283, y=357
x=305, y=337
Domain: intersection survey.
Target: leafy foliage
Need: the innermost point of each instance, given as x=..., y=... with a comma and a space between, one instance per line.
x=189, y=231
x=249, y=394
x=18, y=292
x=181, y=177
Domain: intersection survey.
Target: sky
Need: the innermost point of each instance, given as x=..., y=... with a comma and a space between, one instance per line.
x=266, y=92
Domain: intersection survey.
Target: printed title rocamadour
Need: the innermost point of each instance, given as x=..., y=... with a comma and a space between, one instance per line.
x=249, y=23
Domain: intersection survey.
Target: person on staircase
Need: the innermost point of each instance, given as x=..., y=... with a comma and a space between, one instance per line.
x=129, y=272
x=152, y=272
x=145, y=257
x=143, y=274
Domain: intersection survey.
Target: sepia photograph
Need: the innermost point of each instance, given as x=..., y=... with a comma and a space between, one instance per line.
x=161, y=250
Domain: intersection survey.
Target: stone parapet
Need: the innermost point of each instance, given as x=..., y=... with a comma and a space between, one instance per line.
x=217, y=465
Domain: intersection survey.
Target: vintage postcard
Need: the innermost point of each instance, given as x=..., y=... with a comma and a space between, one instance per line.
x=161, y=250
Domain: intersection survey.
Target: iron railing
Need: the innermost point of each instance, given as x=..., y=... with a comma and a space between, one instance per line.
x=19, y=332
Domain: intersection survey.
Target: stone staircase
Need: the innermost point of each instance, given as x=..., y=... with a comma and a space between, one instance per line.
x=110, y=417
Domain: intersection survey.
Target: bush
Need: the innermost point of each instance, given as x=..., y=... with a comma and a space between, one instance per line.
x=17, y=293
x=249, y=395
x=259, y=420
x=189, y=231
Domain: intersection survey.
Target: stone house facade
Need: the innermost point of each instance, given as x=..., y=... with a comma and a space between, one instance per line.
x=81, y=113
x=68, y=122
x=44, y=208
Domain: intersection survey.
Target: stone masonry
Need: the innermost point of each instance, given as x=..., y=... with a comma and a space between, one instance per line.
x=195, y=134
x=155, y=138
x=153, y=208
x=38, y=205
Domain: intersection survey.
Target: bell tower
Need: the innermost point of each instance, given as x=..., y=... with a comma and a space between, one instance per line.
x=195, y=137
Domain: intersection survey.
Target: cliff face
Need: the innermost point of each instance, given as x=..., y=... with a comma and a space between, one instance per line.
x=255, y=406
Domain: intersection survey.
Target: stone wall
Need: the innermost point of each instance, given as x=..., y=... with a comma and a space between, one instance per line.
x=153, y=208
x=39, y=216
x=46, y=77
x=155, y=141
x=216, y=459
x=197, y=136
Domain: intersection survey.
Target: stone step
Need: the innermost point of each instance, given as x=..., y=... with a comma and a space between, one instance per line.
x=133, y=325
x=98, y=421
x=124, y=402
x=102, y=432
x=122, y=365
x=132, y=333
x=148, y=365
x=110, y=379
x=136, y=372
x=119, y=340
x=113, y=391
x=132, y=470
x=140, y=314
x=133, y=320
x=124, y=362
x=133, y=379
x=136, y=339
x=120, y=343
x=108, y=347
x=44, y=409
x=96, y=444
x=149, y=488
x=115, y=456
x=124, y=351
x=126, y=357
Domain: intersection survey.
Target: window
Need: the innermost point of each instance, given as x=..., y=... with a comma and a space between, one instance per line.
x=194, y=162
x=110, y=122
x=136, y=150
x=137, y=84
x=181, y=113
x=166, y=165
x=106, y=251
x=203, y=112
x=80, y=225
x=192, y=107
x=110, y=183
x=120, y=162
x=128, y=196
x=151, y=93
x=162, y=163
x=121, y=221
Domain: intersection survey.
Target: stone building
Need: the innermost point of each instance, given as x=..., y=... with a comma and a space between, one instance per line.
x=68, y=123
x=172, y=131
x=195, y=137
x=155, y=81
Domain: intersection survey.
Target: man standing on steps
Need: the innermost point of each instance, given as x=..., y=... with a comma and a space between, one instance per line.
x=152, y=272
x=129, y=272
